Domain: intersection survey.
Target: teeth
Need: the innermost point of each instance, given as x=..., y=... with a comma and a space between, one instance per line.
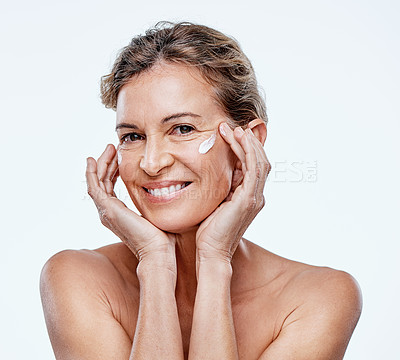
x=157, y=192
x=167, y=190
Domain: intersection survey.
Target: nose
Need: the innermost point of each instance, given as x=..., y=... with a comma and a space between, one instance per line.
x=156, y=157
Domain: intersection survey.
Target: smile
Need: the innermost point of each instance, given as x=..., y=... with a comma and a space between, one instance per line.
x=166, y=191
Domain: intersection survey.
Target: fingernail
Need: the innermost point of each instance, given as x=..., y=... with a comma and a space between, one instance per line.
x=240, y=129
x=222, y=129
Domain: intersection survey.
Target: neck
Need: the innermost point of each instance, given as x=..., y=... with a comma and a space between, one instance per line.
x=185, y=250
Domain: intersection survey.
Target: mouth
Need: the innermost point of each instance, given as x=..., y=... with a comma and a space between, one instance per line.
x=167, y=190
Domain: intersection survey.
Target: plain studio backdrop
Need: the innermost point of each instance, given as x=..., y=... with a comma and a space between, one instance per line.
x=330, y=73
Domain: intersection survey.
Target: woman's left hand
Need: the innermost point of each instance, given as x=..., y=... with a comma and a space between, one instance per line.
x=220, y=233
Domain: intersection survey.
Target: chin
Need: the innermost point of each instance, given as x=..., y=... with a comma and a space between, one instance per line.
x=178, y=225
x=175, y=228
x=179, y=219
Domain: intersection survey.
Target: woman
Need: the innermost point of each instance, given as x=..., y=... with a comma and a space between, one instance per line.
x=184, y=283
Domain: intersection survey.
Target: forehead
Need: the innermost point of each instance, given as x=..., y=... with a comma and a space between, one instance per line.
x=163, y=90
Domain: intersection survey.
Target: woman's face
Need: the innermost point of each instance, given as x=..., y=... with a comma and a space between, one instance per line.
x=166, y=117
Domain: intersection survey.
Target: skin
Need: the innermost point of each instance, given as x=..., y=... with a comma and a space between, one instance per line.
x=183, y=282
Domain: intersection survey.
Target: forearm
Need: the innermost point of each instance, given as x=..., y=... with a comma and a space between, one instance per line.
x=213, y=331
x=158, y=332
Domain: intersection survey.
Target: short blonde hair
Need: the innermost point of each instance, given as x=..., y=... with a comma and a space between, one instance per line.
x=218, y=57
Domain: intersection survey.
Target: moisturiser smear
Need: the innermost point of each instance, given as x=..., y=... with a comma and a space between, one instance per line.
x=119, y=156
x=207, y=144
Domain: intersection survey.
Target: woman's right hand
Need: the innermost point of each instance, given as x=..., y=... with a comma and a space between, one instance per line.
x=144, y=239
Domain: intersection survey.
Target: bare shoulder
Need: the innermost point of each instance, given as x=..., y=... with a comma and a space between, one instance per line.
x=99, y=275
x=326, y=307
x=72, y=281
x=320, y=308
x=328, y=285
x=326, y=291
x=308, y=283
x=79, y=290
x=110, y=262
x=76, y=265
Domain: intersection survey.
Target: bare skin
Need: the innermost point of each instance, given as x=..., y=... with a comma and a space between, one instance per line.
x=269, y=295
x=184, y=283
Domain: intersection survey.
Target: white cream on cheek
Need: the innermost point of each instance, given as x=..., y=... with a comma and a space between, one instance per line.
x=119, y=156
x=206, y=145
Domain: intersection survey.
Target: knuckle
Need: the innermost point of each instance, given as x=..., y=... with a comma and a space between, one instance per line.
x=262, y=203
x=94, y=193
x=108, y=183
x=262, y=168
x=255, y=204
x=258, y=172
x=251, y=203
x=265, y=165
x=268, y=166
x=90, y=191
x=106, y=216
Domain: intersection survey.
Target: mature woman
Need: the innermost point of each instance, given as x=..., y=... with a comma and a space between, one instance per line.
x=184, y=283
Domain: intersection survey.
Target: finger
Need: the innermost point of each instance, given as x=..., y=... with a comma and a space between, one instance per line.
x=109, y=177
x=92, y=180
x=114, y=179
x=262, y=168
x=263, y=164
x=251, y=178
x=261, y=152
x=231, y=137
x=239, y=135
x=104, y=162
x=237, y=178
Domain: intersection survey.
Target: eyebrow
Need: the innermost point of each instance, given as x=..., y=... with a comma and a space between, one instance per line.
x=163, y=121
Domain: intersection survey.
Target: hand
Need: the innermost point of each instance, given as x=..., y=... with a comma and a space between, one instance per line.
x=138, y=234
x=220, y=233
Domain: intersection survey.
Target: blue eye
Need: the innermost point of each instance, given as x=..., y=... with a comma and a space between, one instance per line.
x=184, y=129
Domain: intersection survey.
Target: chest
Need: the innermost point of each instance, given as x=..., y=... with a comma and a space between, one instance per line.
x=256, y=318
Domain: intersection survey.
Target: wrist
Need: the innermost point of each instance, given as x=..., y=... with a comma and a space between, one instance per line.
x=214, y=256
x=161, y=264
x=214, y=267
x=163, y=249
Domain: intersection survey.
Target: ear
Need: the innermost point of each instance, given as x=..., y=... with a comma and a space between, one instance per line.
x=259, y=129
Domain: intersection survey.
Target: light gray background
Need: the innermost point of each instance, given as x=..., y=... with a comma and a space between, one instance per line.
x=331, y=77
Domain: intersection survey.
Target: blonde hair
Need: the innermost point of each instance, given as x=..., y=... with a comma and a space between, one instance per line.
x=218, y=57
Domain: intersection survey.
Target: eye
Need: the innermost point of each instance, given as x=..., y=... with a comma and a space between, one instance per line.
x=130, y=138
x=184, y=129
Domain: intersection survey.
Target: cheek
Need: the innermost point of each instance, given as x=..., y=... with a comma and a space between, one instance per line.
x=128, y=169
x=216, y=171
